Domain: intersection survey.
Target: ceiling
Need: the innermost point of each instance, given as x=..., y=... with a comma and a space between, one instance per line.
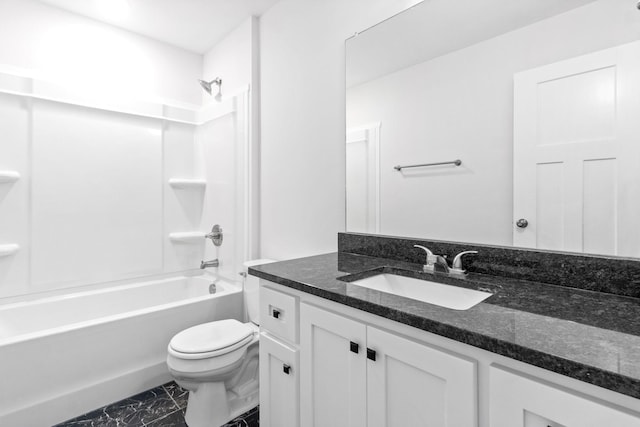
x=194, y=25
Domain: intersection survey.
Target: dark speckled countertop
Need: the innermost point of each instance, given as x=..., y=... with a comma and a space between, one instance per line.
x=590, y=336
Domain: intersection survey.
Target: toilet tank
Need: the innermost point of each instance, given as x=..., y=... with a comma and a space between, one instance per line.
x=251, y=290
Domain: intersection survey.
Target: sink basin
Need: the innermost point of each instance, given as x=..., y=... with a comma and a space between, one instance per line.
x=423, y=290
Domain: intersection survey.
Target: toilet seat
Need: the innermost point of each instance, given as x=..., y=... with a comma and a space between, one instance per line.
x=211, y=339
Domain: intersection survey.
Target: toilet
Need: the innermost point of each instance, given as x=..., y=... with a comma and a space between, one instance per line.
x=217, y=362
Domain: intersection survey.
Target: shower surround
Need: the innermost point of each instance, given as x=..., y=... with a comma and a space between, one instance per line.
x=104, y=210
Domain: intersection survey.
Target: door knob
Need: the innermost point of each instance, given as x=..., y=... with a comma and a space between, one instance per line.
x=522, y=223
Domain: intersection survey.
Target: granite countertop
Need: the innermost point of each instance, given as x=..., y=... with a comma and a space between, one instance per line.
x=590, y=336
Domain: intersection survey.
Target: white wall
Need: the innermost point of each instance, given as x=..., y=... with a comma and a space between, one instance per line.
x=71, y=49
x=460, y=105
x=303, y=120
x=231, y=60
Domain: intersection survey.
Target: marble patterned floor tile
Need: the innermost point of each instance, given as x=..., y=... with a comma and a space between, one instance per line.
x=130, y=412
x=153, y=404
x=177, y=393
x=163, y=406
x=175, y=419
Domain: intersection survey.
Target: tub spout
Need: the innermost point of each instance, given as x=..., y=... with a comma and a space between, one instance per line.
x=212, y=263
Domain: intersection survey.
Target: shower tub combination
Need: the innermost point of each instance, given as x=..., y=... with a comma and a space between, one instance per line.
x=63, y=356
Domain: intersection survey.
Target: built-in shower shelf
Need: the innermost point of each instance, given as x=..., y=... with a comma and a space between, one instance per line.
x=9, y=176
x=184, y=183
x=8, y=250
x=187, y=237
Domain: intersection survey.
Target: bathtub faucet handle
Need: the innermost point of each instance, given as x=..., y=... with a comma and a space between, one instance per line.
x=216, y=235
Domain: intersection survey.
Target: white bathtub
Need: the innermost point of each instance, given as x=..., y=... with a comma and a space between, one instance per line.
x=66, y=355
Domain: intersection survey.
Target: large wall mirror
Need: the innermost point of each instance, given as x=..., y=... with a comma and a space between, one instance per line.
x=499, y=122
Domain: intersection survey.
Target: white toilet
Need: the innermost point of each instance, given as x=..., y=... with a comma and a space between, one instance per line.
x=217, y=362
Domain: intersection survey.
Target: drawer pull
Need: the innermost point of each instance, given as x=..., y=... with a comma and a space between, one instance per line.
x=354, y=347
x=276, y=313
x=286, y=369
x=371, y=354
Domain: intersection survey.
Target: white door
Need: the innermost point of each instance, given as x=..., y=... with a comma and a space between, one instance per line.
x=363, y=179
x=410, y=384
x=332, y=369
x=576, y=156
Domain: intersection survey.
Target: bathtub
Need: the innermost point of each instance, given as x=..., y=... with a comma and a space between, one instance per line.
x=63, y=356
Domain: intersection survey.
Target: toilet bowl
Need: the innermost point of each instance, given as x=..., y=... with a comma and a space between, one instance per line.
x=217, y=362
x=212, y=361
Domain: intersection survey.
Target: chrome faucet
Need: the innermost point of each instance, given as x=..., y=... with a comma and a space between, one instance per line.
x=438, y=263
x=206, y=264
x=441, y=264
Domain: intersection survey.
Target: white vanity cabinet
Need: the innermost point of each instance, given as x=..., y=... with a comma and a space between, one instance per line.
x=323, y=364
x=518, y=401
x=353, y=374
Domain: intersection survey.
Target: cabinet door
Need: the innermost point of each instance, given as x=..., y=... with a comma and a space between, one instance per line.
x=332, y=373
x=517, y=401
x=278, y=383
x=411, y=384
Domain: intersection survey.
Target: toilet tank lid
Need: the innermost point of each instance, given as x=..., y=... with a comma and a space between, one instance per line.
x=255, y=262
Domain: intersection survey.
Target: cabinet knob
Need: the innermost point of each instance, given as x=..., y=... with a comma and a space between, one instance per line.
x=286, y=369
x=354, y=347
x=371, y=354
x=276, y=313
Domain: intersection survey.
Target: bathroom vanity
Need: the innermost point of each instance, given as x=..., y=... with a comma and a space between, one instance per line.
x=532, y=354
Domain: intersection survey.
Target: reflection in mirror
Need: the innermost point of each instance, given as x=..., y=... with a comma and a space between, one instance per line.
x=540, y=102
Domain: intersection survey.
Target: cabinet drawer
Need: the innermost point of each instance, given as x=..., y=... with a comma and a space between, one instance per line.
x=279, y=383
x=279, y=314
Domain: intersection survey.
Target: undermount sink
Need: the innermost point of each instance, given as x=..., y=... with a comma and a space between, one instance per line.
x=448, y=296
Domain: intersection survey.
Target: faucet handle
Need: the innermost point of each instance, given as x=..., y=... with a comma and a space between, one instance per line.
x=216, y=235
x=431, y=259
x=429, y=253
x=457, y=261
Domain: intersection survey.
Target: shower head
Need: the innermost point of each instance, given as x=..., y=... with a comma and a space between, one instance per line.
x=208, y=85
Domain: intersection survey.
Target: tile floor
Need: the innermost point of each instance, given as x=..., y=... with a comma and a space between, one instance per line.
x=162, y=406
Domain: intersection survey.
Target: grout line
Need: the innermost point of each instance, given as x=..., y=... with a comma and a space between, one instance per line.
x=165, y=415
x=161, y=418
x=171, y=397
